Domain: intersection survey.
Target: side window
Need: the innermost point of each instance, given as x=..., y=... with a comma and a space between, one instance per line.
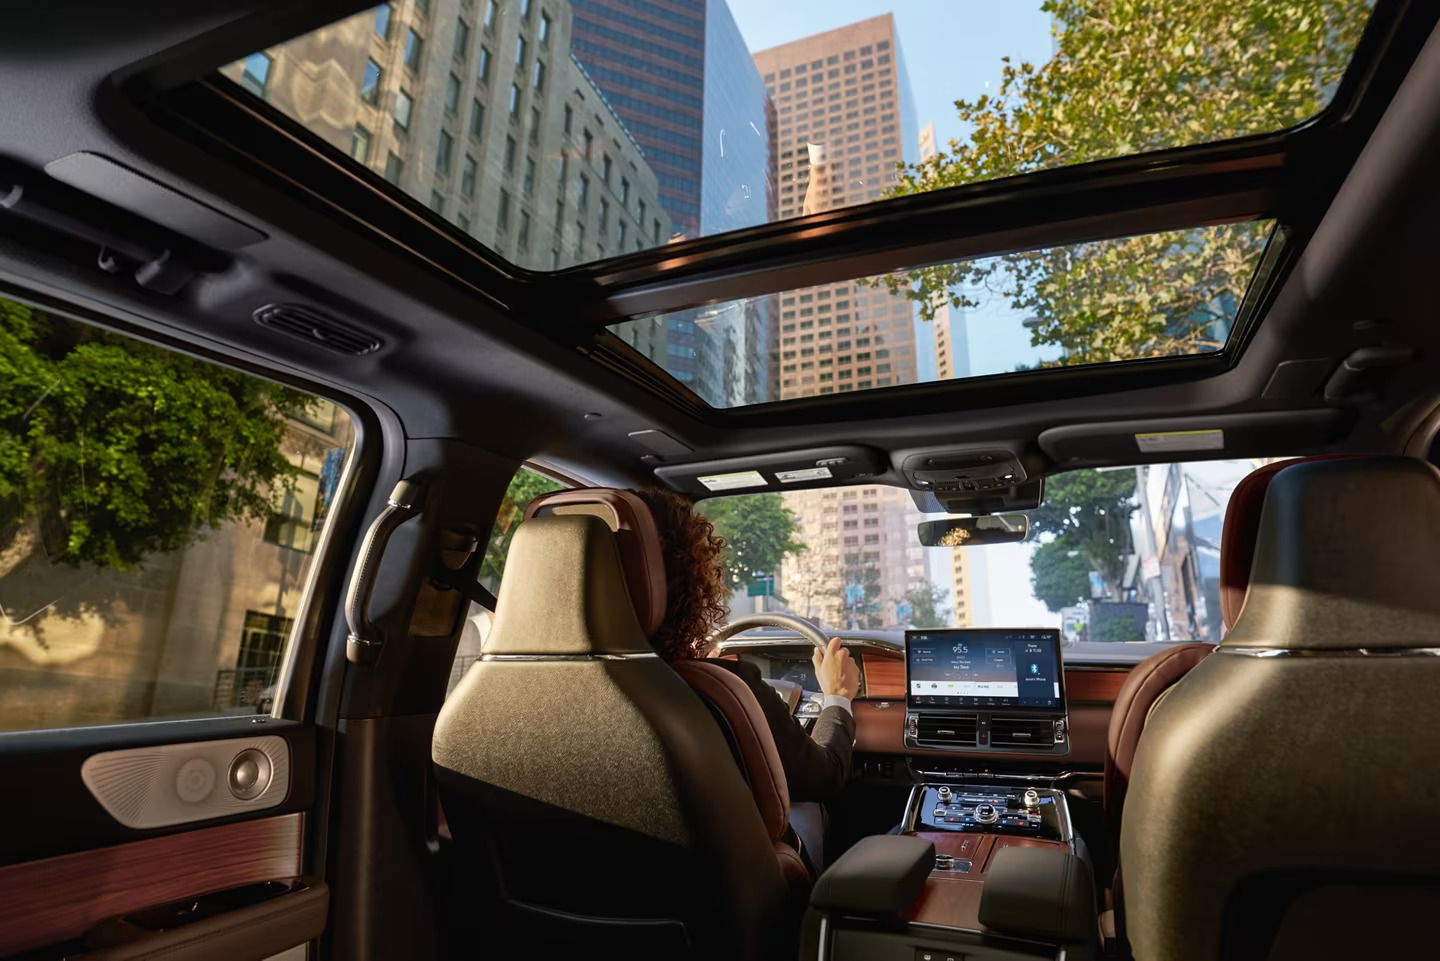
x=158, y=519
x=524, y=487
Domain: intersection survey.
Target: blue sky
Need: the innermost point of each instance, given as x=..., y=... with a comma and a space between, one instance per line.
x=952, y=51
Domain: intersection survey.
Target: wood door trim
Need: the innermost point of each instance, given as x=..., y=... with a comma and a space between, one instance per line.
x=55, y=899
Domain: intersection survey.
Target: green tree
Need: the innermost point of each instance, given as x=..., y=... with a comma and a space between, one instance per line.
x=524, y=487
x=759, y=531
x=925, y=606
x=1088, y=511
x=112, y=450
x=1059, y=575
x=1130, y=76
x=867, y=611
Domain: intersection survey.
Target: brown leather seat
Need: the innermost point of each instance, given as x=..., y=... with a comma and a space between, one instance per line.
x=1256, y=823
x=579, y=773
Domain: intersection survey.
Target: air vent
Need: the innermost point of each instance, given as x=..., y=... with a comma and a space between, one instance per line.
x=946, y=730
x=1036, y=732
x=318, y=329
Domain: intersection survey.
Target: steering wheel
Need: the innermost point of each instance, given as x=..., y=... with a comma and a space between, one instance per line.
x=790, y=622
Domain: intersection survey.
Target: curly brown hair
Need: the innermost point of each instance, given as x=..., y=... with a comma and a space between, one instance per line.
x=697, y=595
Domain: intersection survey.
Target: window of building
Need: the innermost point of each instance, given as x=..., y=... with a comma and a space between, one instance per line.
x=569, y=118
x=579, y=241
x=621, y=239
x=452, y=94
x=414, y=50
x=529, y=182
x=535, y=125
x=477, y=119
x=360, y=141
x=502, y=212
x=394, y=167
x=482, y=68
x=510, y=151
x=520, y=46
x=489, y=21
x=584, y=195
x=537, y=75
x=256, y=74
x=371, y=82
x=588, y=139
x=462, y=40
x=384, y=14
x=404, y=106
x=624, y=193
x=467, y=176
x=604, y=215
x=437, y=201
x=444, y=149
x=522, y=237
x=514, y=101
x=462, y=221
x=97, y=626
x=605, y=169
x=544, y=29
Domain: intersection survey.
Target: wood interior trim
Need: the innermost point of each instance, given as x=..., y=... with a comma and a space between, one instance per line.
x=55, y=899
x=885, y=678
x=954, y=899
x=1094, y=686
x=880, y=729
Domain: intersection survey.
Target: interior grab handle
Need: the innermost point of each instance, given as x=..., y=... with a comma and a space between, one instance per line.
x=365, y=639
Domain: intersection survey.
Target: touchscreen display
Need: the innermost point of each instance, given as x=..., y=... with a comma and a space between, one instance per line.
x=984, y=668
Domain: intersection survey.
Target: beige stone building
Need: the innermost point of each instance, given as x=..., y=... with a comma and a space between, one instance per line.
x=951, y=361
x=478, y=109
x=193, y=633
x=838, y=100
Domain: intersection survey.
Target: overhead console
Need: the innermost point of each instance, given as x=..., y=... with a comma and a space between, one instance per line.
x=785, y=470
x=986, y=690
x=980, y=481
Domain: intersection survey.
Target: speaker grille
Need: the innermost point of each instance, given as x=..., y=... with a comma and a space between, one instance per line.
x=315, y=327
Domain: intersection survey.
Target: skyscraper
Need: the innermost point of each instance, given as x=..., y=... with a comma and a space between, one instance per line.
x=686, y=87
x=844, y=119
x=479, y=110
x=952, y=360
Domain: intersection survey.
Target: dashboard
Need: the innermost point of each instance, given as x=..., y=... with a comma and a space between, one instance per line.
x=882, y=710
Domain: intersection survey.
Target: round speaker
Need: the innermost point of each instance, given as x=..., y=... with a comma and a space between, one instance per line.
x=195, y=780
x=250, y=774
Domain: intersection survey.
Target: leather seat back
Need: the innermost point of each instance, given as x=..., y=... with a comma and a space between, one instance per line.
x=582, y=771
x=1261, y=819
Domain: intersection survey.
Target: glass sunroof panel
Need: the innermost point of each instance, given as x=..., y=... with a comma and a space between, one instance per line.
x=559, y=132
x=1154, y=295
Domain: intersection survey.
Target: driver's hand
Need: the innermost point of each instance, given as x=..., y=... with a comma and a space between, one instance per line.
x=836, y=670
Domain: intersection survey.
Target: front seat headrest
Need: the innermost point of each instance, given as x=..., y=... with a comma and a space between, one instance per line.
x=1345, y=557
x=1242, y=527
x=564, y=593
x=637, y=536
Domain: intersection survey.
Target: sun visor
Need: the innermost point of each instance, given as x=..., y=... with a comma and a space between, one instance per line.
x=785, y=470
x=1266, y=434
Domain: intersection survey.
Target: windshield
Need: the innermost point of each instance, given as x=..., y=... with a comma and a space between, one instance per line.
x=1115, y=557
x=560, y=132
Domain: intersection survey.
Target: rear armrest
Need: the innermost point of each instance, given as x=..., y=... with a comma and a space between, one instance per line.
x=880, y=877
x=1041, y=893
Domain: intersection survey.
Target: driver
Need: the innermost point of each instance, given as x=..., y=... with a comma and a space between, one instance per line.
x=817, y=764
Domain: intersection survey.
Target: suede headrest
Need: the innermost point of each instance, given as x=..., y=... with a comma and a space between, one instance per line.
x=1346, y=557
x=642, y=553
x=564, y=593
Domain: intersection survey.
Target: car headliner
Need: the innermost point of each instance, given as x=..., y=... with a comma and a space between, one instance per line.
x=470, y=341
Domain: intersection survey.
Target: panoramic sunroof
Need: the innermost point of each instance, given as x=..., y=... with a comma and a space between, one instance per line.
x=559, y=132
x=1166, y=294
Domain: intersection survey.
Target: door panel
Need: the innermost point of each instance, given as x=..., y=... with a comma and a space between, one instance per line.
x=58, y=899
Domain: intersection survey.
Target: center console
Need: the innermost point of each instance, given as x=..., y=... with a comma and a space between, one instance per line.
x=978, y=690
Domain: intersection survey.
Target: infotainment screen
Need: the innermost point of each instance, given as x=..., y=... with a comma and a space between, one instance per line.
x=984, y=668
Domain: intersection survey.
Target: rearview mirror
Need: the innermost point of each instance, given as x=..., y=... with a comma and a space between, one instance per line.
x=974, y=531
